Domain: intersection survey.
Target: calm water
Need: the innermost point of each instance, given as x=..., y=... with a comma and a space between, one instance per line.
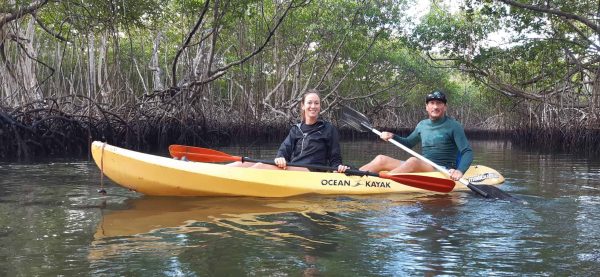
x=53, y=222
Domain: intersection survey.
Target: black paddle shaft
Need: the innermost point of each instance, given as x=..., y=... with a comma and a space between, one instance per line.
x=315, y=167
x=422, y=182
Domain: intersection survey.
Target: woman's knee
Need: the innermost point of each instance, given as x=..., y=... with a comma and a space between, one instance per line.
x=264, y=166
x=235, y=164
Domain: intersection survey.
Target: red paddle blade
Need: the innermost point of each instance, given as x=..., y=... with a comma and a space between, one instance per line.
x=199, y=154
x=422, y=182
x=194, y=149
x=205, y=158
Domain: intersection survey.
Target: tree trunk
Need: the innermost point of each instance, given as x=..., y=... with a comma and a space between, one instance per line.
x=157, y=80
x=28, y=65
x=18, y=77
x=91, y=74
x=595, y=100
x=7, y=81
x=103, y=79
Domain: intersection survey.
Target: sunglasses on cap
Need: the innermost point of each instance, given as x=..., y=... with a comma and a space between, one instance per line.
x=436, y=95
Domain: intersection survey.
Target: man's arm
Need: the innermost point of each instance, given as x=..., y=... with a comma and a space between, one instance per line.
x=411, y=140
x=464, y=149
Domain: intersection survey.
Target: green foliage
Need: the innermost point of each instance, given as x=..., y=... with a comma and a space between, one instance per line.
x=350, y=50
x=453, y=34
x=96, y=16
x=547, y=58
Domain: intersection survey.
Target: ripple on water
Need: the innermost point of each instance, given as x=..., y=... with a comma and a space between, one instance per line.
x=53, y=218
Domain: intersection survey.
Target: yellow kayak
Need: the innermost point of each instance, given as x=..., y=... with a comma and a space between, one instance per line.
x=162, y=176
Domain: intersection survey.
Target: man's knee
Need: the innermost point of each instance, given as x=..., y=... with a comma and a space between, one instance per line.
x=381, y=159
x=411, y=164
x=413, y=160
x=418, y=165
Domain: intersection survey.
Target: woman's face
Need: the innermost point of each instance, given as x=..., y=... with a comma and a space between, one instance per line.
x=311, y=106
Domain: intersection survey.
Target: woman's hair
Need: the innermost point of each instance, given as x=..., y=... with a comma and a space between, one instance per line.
x=306, y=93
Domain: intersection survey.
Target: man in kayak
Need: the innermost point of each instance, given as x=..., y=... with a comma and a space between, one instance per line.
x=312, y=141
x=442, y=139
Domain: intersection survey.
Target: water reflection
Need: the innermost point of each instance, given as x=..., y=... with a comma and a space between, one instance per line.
x=414, y=238
x=308, y=229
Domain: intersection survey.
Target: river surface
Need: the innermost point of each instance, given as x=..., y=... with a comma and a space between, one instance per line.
x=53, y=222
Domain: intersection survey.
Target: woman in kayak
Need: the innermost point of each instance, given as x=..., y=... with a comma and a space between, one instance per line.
x=312, y=141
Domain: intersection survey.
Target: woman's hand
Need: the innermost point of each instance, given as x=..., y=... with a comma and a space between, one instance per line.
x=342, y=168
x=386, y=136
x=281, y=163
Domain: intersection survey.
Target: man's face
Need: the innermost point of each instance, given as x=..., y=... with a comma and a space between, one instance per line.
x=435, y=109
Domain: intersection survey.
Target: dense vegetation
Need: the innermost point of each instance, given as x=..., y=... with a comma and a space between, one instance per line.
x=147, y=73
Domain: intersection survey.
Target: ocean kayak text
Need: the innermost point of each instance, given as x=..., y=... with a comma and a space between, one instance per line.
x=372, y=184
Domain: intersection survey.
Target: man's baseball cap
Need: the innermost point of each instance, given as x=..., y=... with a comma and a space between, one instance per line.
x=436, y=95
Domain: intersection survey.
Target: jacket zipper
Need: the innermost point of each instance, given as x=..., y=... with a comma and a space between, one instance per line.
x=303, y=138
x=304, y=135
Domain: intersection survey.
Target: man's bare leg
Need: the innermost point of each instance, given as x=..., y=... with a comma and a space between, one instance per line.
x=381, y=162
x=413, y=165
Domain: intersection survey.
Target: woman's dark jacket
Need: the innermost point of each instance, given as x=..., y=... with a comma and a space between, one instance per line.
x=319, y=146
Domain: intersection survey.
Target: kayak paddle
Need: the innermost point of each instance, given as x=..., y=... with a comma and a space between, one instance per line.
x=198, y=154
x=361, y=123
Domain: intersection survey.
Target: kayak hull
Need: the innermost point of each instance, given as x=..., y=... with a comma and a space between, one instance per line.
x=161, y=176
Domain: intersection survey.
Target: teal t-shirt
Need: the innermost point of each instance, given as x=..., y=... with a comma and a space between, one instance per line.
x=442, y=142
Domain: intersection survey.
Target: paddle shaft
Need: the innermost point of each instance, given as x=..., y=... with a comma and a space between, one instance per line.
x=216, y=156
x=315, y=167
x=436, y=166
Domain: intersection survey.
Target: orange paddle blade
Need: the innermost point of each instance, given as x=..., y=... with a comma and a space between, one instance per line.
x=205, y=158
x=198, y=154
x=194, y=149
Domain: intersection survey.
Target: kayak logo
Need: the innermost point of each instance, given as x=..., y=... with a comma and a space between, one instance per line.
x=375, y=184
x=368, y=184
x=334, y=182
x=484, y=176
